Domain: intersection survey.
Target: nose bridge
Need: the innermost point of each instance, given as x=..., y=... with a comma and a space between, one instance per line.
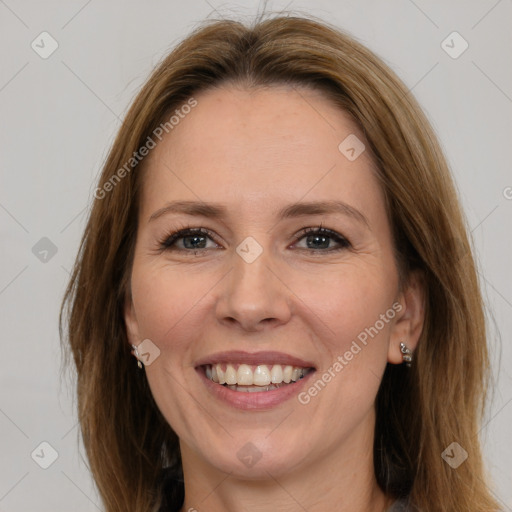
x=252, y=294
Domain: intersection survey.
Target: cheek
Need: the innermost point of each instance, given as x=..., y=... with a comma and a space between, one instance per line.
x=166, y=299
x=352, y=316
x=346, y=301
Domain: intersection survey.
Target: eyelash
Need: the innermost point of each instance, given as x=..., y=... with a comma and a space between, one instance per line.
x=169, y=241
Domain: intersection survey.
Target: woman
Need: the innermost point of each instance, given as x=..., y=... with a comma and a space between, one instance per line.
x=277, y=240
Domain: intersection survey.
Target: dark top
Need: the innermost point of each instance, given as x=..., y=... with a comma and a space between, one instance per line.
x=174, y=492
x=401, y=505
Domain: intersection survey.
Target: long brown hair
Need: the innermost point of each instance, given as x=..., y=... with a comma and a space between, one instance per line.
x=421, y=410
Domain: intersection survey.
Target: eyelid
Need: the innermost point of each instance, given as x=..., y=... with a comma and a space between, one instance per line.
x=338, y=237
x=168, y=240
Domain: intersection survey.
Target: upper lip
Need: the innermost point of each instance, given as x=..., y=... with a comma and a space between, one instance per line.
x=266, y=357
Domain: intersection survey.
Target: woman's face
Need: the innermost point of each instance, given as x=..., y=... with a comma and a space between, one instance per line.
x=257, y=292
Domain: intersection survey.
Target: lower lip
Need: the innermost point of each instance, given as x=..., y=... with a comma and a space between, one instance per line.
x=257, y=400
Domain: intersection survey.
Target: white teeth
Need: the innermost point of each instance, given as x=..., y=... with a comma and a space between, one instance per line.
x=258, y=376
x=287, y=374
x=276, y=374
x=230, y=375
x=244, y=375
x=262, y=376
x=220, y=374
x=252, y=389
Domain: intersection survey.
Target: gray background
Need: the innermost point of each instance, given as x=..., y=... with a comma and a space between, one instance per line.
x=58, y=119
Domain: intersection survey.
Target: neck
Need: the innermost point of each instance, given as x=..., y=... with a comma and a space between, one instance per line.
x=341, y=479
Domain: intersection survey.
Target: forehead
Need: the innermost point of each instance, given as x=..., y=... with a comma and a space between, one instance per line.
x=260, y=147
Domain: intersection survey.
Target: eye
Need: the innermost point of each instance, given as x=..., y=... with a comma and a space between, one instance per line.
x=321, y=238
x=187, y=238
x=190, y=239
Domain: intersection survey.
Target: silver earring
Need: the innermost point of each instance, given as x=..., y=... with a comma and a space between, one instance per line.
x=136, y=353
x=406, y=354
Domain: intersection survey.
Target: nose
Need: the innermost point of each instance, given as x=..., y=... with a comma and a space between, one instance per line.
x=252, y=296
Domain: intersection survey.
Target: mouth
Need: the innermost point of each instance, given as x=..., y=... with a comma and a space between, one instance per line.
x=254, y=378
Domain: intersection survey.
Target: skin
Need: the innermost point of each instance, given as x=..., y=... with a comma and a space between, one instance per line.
x=256, y=151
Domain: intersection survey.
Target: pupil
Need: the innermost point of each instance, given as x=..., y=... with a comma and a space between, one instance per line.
x=197, y=241
x=319, y=237
x=193, y=238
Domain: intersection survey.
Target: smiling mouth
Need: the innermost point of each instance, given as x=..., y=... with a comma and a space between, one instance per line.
x=254, y=378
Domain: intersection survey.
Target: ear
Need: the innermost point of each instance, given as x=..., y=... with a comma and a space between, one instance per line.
x=130, y=320
x=409, y=321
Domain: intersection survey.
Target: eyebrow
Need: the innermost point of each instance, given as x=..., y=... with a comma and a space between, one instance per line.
x=219, y=211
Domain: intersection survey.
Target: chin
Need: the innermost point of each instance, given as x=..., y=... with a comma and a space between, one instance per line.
x=256, y=456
